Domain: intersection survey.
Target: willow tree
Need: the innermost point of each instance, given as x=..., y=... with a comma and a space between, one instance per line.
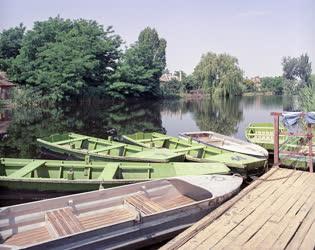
x=219, y=74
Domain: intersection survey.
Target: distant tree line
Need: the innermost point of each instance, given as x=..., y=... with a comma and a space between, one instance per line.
x=61, y=59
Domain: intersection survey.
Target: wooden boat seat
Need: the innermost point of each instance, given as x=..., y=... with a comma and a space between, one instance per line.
x=179, y=200
x=105, y=218
x=28, y=237
x=144, y=204
x=63, y=222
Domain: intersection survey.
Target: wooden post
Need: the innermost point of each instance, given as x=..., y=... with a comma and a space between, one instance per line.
x=310, y=147
x=276, y=138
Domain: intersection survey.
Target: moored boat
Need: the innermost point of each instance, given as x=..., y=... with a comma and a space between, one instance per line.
x=227, y=143
x=79, y=146
x=130, y=216
x=78, y=176
x=197, y=152
x=262, y=134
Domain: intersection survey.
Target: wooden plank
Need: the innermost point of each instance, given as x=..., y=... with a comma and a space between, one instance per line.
x=282, y=234
x=274, y=214
x=302, y=231
x=245, y=206
x=188, y=234
x=154, y=139
x=309, y=242
x=27, y=169
x=144, y=204
x=300, y=198
x=71, y=140
x=106, y=148
x=109, y=171
x=229, y=233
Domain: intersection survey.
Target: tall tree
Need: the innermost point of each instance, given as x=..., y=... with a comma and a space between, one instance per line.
x=297, y=69
x=62, y=58
x=10, y=44
x=141, y=67
x=219, y=74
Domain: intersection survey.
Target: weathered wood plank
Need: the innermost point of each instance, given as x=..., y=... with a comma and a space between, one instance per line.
x=202, y=224
x=241, y=209
x=259, y=216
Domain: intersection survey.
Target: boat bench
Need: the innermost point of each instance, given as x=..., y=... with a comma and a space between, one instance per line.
x=62, y=222
x=144, y=204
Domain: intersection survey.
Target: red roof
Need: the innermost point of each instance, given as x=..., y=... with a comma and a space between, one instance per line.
x=6, y=84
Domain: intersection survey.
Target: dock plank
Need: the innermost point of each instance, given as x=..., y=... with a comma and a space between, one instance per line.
x=277, y=213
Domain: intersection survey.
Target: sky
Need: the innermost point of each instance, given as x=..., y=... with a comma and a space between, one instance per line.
x=258, y=32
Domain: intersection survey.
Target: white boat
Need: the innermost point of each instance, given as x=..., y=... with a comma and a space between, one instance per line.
x=130, y=216
x=226, y=142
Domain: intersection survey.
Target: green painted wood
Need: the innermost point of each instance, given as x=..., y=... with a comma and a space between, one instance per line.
x=56, y=175
x=106, y=148
x=71, y=140
x=197, y=152
x=27, y=169
x=109, y=171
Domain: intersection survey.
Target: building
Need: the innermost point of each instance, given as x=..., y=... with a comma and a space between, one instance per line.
x=167, y=77
x=5, y=87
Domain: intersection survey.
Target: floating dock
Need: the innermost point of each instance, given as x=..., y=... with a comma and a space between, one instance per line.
x=277, y=211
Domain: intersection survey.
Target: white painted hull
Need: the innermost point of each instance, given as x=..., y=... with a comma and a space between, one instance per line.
x=226, y=142
x=136, y=231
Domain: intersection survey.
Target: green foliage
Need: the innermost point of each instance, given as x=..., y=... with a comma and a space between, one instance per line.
x=141, y=67
x=172, y=88
x=10, y=44
x=296, y=72
x=61, y=58
x=190, y=83
x=249, y=85
x=219, y=74
x=26, y=96
x=307, y=96
x=274, y=84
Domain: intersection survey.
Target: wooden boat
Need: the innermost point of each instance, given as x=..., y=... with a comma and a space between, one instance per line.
x=78, y=176
x=198, y=152
x=79, y=146
x=262, y=134
x=226, y=142
x=130, y=216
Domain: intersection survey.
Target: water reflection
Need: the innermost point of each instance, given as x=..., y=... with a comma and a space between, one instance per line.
x=21, y=126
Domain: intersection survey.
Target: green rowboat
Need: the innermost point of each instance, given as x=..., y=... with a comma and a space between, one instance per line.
x=263, y=135
x=78, y=176
x=197, y=152
x=80, y=146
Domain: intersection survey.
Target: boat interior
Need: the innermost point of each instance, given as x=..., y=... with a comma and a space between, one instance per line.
x=92, y=145
x=177, y=145
x=76, y=170
x=36, y=222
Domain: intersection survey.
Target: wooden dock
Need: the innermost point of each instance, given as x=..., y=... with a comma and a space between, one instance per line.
x=277, y=211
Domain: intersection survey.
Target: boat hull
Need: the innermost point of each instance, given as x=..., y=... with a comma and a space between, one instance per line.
x=227, y=143
x=137, y=234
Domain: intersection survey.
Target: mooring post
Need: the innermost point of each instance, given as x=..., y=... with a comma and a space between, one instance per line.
x=276, y=138
x=310, y=147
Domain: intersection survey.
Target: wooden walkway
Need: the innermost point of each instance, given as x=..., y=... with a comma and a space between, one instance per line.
x=277, y=211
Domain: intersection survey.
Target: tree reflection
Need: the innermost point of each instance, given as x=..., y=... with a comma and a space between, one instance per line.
x=97, y=119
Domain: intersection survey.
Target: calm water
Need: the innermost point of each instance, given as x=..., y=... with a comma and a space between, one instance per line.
x=20, y=127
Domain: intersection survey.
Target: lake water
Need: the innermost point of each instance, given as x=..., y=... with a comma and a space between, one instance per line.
x=20, y=127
